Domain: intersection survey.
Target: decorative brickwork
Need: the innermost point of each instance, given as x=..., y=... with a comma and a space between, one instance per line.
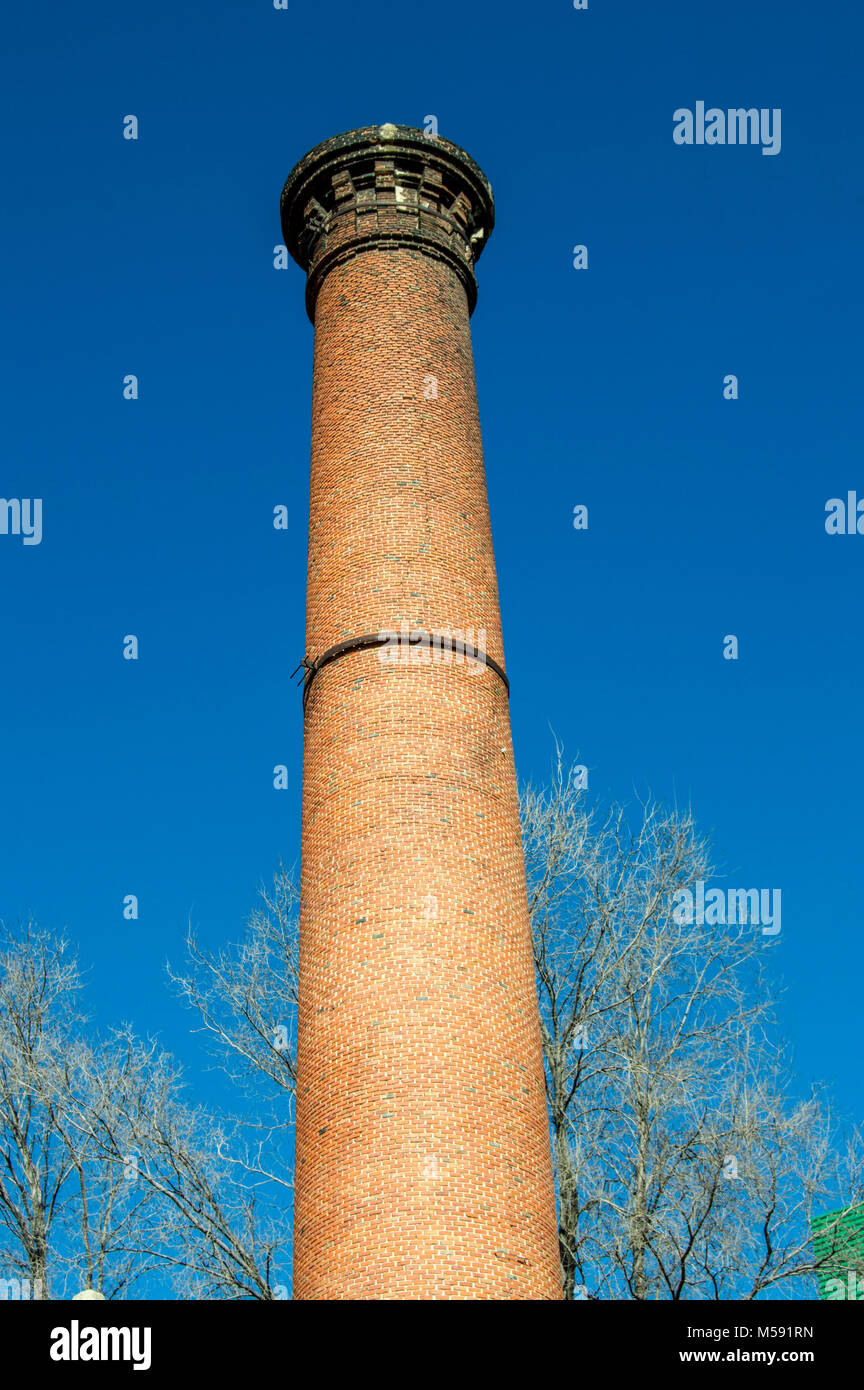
x=423, y=1164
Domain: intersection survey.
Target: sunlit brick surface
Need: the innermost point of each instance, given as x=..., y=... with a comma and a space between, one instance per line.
x=423, y=1167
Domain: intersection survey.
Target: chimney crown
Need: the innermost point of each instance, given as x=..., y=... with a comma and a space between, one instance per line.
x=391, y=185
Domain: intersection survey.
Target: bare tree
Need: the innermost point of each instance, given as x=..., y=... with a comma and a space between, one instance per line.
x=39, y=986
x=103, y=1244
x=685, y=1165
x=246, y=994
x=107, y=1174
x=65, y=1213
x=213, y=1219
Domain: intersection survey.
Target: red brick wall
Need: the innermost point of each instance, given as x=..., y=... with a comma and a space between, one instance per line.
x=423, y=1166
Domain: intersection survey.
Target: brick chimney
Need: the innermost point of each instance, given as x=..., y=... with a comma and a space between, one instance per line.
x=423, y=1166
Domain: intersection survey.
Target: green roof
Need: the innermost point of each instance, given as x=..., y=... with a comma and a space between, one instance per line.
x=838, y=1248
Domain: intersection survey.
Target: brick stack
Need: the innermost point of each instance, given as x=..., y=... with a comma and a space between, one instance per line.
x=423, y=1166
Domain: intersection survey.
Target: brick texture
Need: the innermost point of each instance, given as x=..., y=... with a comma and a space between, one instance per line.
x=423, y=1166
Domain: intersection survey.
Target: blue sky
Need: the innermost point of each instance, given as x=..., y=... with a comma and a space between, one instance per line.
x=602, y=387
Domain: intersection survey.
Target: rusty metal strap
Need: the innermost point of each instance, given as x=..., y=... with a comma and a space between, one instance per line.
x=440, y=640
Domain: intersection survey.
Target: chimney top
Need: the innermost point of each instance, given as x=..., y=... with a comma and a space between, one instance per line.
x=386, y=184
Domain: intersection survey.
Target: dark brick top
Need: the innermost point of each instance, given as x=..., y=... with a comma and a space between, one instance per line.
x=389, y=185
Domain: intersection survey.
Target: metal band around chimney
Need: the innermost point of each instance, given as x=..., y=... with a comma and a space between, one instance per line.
x=441, y=641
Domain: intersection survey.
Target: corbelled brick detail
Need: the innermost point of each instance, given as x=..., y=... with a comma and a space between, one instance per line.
x=423, y=1166
x=391, y=186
